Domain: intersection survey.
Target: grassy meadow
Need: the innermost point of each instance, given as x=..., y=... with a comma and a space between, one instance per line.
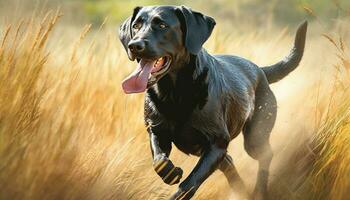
x=67, y=131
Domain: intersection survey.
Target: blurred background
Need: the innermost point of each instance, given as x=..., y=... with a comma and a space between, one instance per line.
x=67, y=130
x=254, y=13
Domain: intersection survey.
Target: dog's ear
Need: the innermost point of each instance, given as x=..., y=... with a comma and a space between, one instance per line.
x=125, y=31
x=196, y=28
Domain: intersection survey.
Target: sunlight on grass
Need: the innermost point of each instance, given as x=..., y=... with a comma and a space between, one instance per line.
x=67, y=131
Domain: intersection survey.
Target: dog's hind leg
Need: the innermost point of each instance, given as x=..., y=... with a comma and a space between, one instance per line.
x=232, y=176
x=256, y=134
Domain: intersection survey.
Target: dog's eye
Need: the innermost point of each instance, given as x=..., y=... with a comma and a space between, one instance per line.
x=137, y=26
x=162, y=25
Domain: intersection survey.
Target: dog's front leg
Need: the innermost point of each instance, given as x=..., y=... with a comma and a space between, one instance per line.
x=206, y=165
x=161, y=147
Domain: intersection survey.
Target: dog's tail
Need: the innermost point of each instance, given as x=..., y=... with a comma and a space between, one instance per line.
x=281, y=69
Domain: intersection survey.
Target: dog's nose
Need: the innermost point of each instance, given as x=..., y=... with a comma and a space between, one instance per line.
x=137, y=46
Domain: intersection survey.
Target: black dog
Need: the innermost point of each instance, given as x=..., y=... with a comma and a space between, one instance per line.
x=198, y=101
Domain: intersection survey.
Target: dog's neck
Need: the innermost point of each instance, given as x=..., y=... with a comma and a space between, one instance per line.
x=188, y=63
x=182, y=65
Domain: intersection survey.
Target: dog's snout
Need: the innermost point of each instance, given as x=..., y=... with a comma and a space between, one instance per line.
x=137, y=46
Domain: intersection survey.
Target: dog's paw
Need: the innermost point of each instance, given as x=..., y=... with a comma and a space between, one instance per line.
x=167, y=171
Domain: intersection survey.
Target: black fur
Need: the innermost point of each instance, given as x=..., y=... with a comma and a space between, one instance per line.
x=204, y=101
x=175, y=101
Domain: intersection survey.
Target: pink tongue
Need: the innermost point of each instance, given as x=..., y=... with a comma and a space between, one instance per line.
x=137, y=81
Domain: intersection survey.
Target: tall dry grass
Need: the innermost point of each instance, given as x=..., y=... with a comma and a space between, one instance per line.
x=68, y=132
x=60, y=118
x=318, y=166
x=331, y=171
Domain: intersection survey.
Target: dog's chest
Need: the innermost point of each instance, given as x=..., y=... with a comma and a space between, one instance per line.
x=189, y=140
x=173, y=107
x=177, y=124
x=177, y=102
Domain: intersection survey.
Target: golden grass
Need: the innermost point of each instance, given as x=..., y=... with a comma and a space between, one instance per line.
x=331, y=171
x=68, y=132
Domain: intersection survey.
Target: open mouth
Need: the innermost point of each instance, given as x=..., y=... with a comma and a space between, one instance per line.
x=147, y=73
x=159, y=68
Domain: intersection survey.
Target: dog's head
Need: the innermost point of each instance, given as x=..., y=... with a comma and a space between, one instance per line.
x=158, y=37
